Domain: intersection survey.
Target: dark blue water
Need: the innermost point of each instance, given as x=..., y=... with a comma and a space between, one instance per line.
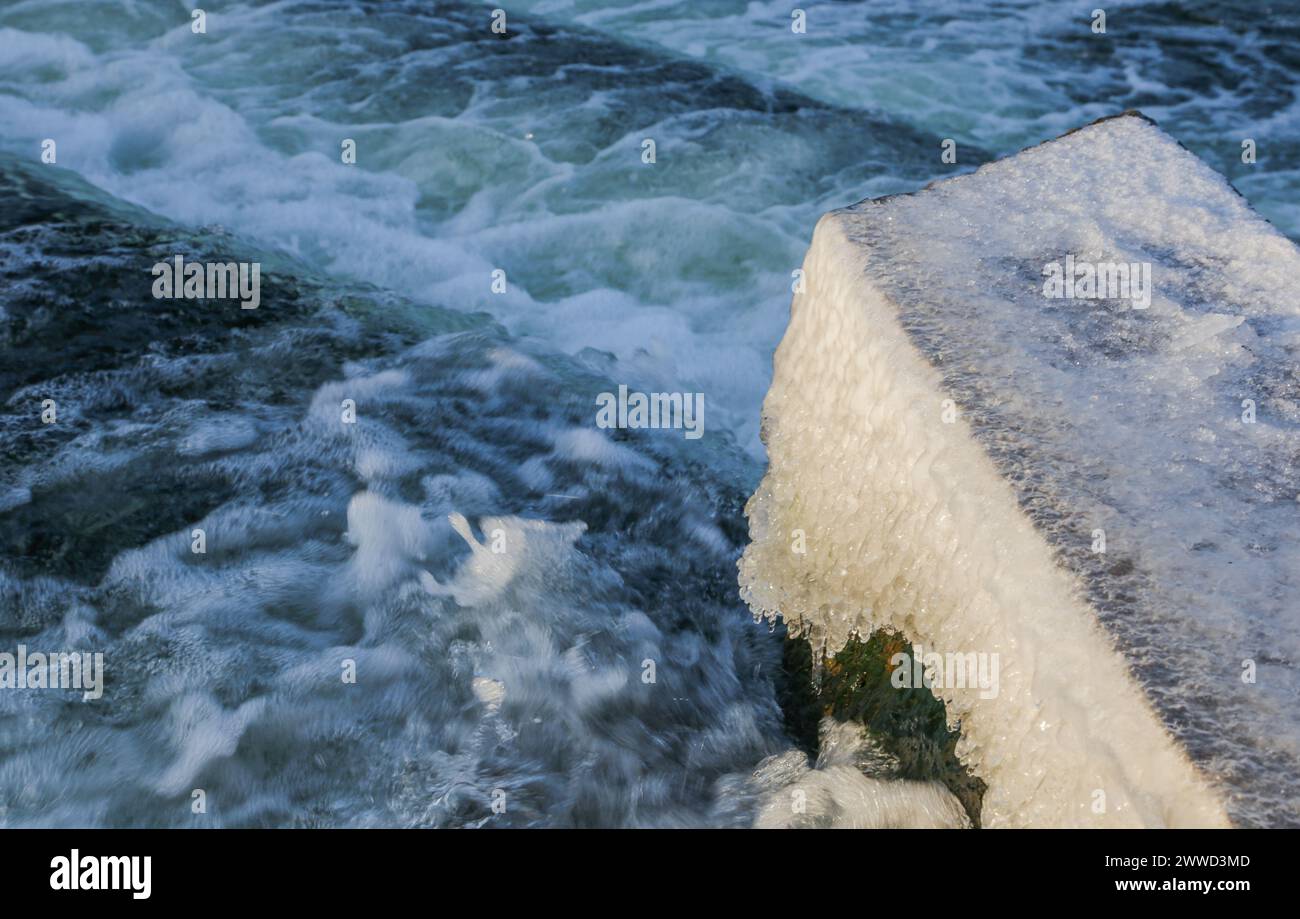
x=517, y=678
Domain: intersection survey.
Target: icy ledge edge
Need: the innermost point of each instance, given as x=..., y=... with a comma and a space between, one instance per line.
x=907, y=525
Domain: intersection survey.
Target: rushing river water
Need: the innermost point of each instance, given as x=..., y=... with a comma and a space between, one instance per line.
x=347, y=650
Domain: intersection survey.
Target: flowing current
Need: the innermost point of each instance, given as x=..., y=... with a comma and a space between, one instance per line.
x=350, y=649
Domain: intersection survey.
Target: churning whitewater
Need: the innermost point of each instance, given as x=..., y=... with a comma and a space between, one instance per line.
x=343, y=519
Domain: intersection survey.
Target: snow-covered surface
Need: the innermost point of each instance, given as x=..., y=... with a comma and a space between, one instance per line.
x=975, y=529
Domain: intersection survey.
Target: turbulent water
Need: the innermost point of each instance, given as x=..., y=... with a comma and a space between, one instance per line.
x=601, y=670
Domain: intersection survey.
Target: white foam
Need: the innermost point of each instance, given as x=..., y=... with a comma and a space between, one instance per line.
x=382, y=631
x=836, y=792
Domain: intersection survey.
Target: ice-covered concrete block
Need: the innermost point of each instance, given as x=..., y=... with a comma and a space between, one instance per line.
x=987, y=434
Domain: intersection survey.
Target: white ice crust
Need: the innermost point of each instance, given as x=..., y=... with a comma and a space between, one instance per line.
x=949, y=441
